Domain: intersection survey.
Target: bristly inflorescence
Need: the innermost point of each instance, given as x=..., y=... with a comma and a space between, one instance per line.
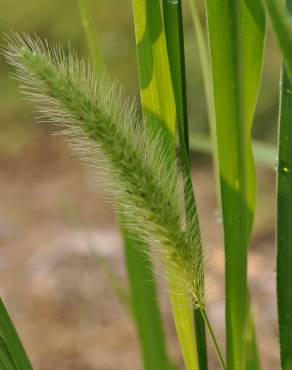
x=105, y=130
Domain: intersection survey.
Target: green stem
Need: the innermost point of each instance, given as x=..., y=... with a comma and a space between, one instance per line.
x=214, y=340
x=90, y=33
x=145, y=305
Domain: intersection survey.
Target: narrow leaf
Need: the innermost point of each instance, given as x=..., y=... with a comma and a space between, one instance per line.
x=159, y=109
x=90, y=33
x=155, y=82
x=6, y=359
x=175, y=47
x=13, y=343
x=184, y=322
x=252, y=353
x=145, y=304
x=236, y=31
x=284, y=223
x=281, y=20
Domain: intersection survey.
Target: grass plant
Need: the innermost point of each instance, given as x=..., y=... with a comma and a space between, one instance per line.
x=150, y=184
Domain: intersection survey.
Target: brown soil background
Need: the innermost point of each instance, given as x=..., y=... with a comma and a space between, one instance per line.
x=58, y=242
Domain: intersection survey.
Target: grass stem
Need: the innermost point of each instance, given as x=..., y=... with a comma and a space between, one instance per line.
x=90, y=33
x=214, y=340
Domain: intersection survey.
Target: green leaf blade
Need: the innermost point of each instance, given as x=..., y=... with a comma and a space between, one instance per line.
x=155, y=82
x=236, y=31
x=6, y=359
x=145, y=304
x=159, y=108
x=281, y=19
x=175, y=47
x=284, y=224
x=90, y=33
x=13, y=343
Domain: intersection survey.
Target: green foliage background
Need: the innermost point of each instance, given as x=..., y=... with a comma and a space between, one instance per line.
x=60, y=21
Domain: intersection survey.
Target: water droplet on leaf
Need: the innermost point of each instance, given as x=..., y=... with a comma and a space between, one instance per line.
x=283, y=169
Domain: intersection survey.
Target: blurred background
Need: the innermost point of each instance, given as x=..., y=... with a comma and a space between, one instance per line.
x=60, y=250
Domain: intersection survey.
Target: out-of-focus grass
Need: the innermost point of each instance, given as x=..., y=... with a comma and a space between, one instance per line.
x=59, y=21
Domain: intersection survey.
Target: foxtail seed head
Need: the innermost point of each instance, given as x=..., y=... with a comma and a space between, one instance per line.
x=104, y=128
